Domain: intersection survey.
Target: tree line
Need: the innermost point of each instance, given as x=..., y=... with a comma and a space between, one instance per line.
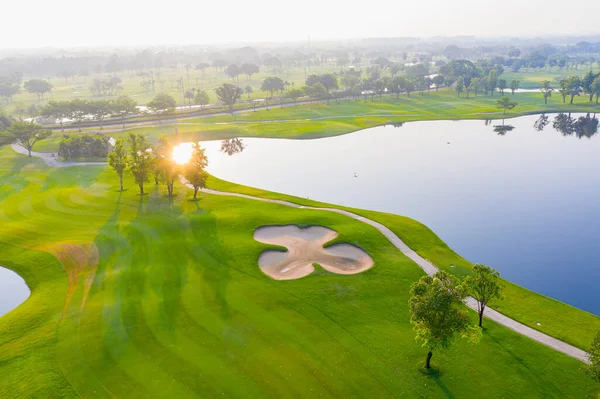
x=145, y=162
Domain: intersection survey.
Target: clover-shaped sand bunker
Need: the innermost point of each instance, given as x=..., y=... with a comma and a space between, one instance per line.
x=305, y=247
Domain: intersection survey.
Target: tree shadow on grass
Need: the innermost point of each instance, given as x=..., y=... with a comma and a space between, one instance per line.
x=435, y=374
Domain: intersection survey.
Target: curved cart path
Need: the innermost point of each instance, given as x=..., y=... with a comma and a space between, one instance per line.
x=427, y=266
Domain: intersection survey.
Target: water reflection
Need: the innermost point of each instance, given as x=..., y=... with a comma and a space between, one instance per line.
x=541, y=123
x=503, y=128
x=583, y=126
x=232, y=146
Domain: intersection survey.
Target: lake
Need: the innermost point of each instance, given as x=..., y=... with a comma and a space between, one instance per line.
x=13, y=290
x=521, y=196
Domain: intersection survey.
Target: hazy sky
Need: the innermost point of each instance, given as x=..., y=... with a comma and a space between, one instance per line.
x=37, y=23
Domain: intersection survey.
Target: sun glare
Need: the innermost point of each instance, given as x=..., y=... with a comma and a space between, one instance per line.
x=182, y=153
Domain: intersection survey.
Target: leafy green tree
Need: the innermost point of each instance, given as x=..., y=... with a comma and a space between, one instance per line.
x=229, y=94
x=574, y=87
x=484, y=286
x=438, y=81
x=514, y=86
x=596, y=88
x=27, y=134
x=189, y=96
x=38, y=87
x=99, y=109
x=233, y=71
x=546, y=90
x=563, y=88
x=122, y=107
x=502, y=86
x=475, y=85
x=78, y=110
x=409, y=87
x=492, y=81
x=141, y=162
x=506, y=103
x=438, y=314
x=167, y=168
x=249, y=69
x=248, y=90
x=460, y=85
x=398, y=85
x=9, y=87
x=295, y=94
x=587, y=82
x=194, y=171
x=316, y=91
x=201, y=98
x=162, y=104
x=272, y=84
x=593, y=369
x=117, y=159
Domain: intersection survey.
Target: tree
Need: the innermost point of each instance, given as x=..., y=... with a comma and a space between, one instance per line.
x=295, y=94
x=229, y=94
x=587, y=82
x=122, y=107
x=437, y=312
x=460, y=85
x=166, y=167
x=272, y=84
x=475, y=85
x=563, y=88
x=593, y=369
x=201, y=98
x=99, y=109
x=484, y=287
x=117, y=159
x=141, y=161
x=194, y=170
x=546, y=90
x=248, y=90
x=574, y=87
x=316, y=91
x=202, y=67
x=233, y=71
x=506, y=103
x=410, y=87
x=162, y=104
x=514, y=86
x=249, y=69
x=438, y=81
x=492, y=81
x=596, y=88
x=38, y=87
x=28, y=133
x=78, y=111
x=398, y=85
x=502, y=86
x=9, y=86
x=189, y=96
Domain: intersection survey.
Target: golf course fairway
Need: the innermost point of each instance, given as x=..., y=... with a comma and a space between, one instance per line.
x=157, y=297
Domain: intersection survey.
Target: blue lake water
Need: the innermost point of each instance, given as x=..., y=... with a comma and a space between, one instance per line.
x=525, y=201
x=13, y=290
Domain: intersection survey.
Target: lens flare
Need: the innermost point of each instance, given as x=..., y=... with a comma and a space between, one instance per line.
x=182, y=153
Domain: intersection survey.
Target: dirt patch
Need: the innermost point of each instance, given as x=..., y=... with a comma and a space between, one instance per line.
x=80, y=260
x=305, y=248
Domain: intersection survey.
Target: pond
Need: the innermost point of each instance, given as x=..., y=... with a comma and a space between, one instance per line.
x=13, y=290
x=522, y=196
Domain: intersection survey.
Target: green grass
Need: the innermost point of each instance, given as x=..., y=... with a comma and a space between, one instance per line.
x=557, y=319
x=179, y=308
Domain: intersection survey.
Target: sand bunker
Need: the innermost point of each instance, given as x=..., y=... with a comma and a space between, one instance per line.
x=305, y=247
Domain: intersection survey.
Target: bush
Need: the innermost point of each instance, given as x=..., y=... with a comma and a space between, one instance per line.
x=84, y=145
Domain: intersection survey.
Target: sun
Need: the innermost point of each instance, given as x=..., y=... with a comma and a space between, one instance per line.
x=182, y=153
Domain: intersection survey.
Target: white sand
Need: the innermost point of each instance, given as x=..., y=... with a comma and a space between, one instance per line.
x=305, y=247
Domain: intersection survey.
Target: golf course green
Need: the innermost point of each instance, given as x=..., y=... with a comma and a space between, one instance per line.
x=163, y=297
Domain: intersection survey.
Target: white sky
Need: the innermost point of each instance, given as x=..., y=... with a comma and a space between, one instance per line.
x=37, y=23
